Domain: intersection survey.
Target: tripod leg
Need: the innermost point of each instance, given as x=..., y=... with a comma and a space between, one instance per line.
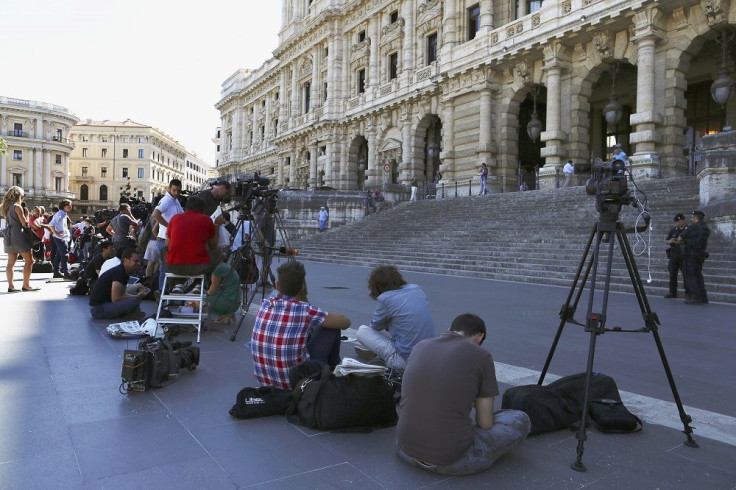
x=567, y=311
x=652, y=323
x=580, y=434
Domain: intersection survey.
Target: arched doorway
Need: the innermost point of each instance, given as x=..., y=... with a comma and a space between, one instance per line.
x=361, y=162
x=103, y=193
x=617, y=79
x=529, y=151
x=84, y=193
x=432, y=149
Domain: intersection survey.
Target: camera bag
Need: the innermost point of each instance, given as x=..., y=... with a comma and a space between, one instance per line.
x=135, y=371
x=356, y=403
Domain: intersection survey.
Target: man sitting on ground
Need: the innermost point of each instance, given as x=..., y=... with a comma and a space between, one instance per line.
x=109, y=299
x=402, y=311
x=92, y=271
x=435, y=431
x=288, y=330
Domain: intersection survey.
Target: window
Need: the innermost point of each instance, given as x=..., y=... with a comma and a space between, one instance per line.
x=140, y=141
x=703, y=114
x=85, y=171
x=58, y=135
x=57, y=159
x=361, y=36
x=58, y=184
x=84, y=152
x=307, y=96
x=84, y=193
x=141, y=173
x=125, y=172
x=262, y=131
x=393, y=66
x=17, y=129
x=534, y=5
x=432, y=48
x=17, y=154
x=18, y=180
x=324, y=95
x=103, y=172
x=103, y=193
x=473, y=21
x=140, y=153
x=393, y=17
x=361, y=81
x=125, y=153
x=104, y=152
x=84, y=139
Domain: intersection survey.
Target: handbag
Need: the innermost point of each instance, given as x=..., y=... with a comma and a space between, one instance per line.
x=261, y=402
x=32, y=238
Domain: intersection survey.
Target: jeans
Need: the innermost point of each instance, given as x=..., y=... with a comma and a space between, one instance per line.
x=510, y=428
x=324, y=345
x=484, y=185
x=58, y=259
x=108, y=311
x=381, y=344
x=568, y=178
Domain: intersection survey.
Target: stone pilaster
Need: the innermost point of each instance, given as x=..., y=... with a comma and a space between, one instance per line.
x=371, y=172
x=450, y=23
x=3, y=171
x=314, y=100
x=553, y=136
x=485, y=136
x=447, y=155
x=47, y=169
x=406, y=166
x=313, y=172
x=409, y=40
x=486, y=16
x=374, y=62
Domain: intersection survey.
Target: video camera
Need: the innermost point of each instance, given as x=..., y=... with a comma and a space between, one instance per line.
x=609, y=184
x=244, y=188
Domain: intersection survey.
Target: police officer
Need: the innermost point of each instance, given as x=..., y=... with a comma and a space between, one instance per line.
x=676, y=256
x=695, y=238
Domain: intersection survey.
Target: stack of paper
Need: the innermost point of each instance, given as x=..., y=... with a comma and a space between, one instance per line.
x=352, y=366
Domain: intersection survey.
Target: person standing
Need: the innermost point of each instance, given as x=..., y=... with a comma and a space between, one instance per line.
x=483, y=179
x=60, y=235
x=119, y=228
x=414, y=189
x=568, y=170
x=167, y=208
x=695, y=238
x=401, y=318
x=446, y=378
x=618, y=154
x=15, y=240
x=322, y=218
x=676, y=256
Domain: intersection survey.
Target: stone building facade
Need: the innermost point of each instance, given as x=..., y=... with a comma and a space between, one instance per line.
x=112, y=157
x=38, y=149
x=375, y=93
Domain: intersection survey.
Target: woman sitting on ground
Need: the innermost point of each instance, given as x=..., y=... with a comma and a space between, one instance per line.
x=222, y=296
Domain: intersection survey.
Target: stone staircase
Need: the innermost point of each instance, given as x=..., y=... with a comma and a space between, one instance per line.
x=536, y=237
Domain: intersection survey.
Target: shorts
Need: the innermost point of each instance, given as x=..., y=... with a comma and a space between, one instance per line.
x=151, y=253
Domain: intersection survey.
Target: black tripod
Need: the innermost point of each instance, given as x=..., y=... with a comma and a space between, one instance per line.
x=607, y=230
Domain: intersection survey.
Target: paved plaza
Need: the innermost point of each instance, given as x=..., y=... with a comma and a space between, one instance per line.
x=65, y=425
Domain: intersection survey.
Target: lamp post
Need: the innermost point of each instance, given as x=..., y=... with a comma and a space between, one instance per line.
x=534, y=127
x=723, y=85
x=613, y=111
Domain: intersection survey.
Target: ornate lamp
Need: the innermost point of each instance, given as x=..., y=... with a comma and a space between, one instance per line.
x=723, y=85
x=534, y=127
x=613, y=110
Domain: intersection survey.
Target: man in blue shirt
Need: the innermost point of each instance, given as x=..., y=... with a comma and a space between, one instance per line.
x=167, y=208
x=618, y=154
x=401, y=319
x=59, y=228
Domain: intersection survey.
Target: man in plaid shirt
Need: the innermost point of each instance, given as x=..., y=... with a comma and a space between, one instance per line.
x=288, y=330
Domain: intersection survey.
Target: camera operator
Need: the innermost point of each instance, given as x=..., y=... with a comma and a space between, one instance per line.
x=119, y=228
x=213, y=197
x=167, y=208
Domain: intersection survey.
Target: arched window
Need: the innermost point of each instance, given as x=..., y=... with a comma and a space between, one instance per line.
x=103, y=193
x=84, y=193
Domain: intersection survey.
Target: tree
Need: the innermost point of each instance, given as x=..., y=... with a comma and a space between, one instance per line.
x=3, y=147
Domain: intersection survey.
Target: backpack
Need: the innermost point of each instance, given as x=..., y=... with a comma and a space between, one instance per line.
x=261, y=402
x=325, y=401
x=559, y=405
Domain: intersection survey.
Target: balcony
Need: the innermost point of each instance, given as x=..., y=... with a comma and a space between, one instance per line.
x=18, y=133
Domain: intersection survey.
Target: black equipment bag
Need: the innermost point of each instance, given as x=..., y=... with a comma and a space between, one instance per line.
x=325, y=401
x=154, y=362
x=42, y=267
x=261, y=402
x=559, y=405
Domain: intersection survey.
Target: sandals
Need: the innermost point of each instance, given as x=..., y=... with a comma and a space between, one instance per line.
x=13, y=290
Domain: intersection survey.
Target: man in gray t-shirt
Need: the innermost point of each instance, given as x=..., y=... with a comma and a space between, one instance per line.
x=445, y=378
x=119, y=228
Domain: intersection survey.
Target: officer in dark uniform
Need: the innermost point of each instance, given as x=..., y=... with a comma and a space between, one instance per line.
x=695, y=239
x=676, y=256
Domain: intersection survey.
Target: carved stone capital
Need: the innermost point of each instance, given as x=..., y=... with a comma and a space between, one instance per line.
x=716, y=11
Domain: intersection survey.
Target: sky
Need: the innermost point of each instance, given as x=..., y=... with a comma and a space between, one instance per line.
x=156, y=62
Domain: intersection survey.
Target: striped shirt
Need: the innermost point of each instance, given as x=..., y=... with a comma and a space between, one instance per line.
x=280, y=333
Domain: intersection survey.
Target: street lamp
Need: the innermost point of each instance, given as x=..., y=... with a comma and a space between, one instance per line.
x=723, y=85
x=613, y=110
x=534, y=127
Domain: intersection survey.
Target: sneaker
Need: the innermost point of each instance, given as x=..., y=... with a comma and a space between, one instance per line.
x=178, y=289
x=196, y=290
x=364, y=353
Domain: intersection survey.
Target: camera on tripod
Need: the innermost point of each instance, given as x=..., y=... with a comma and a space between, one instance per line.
x=609, y=184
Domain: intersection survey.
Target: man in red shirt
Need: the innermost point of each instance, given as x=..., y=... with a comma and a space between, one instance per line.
x=187, y=238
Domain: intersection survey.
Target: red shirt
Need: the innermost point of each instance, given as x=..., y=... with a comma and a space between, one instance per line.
x=188, y=234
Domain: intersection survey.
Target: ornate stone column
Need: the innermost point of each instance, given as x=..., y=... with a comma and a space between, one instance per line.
x=522, y=9
x=314, y=100
x=450, y=23
x=283, y=90
x=237, y=150
x=3, y=171
x=47, y=169
x=486, y=16
x=344, y=163
x=406, y=166
x=409, y=40
x=370, y=173
x=294, y=95
x=313, y=155
x=485, y=137
x=553, y=135
x=447, y=155
x=65, y=179
x=30, y=183
x=374, y=62
x=292, y=167
x=645, y=120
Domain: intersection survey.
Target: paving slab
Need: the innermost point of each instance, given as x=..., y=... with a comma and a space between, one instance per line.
x=65, y=424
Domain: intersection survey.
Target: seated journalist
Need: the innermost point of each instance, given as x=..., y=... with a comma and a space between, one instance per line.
x=445, y=378
x=109, y=298
x=289, y=330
